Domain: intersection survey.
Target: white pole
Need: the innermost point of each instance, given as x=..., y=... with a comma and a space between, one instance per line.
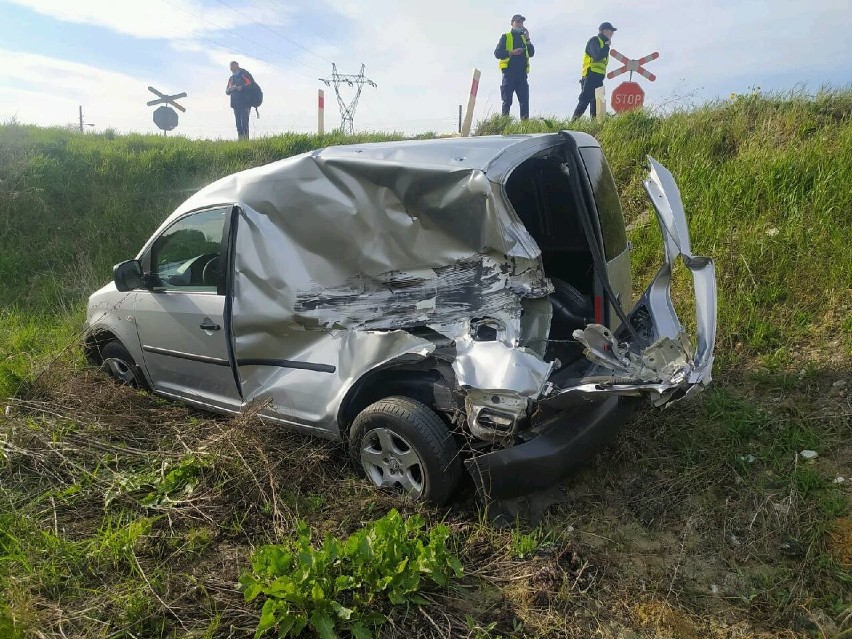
x=471, y=102
x=600, y=102
x=321, y=112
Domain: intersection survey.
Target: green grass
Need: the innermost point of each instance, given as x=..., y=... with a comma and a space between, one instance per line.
x=126, y=515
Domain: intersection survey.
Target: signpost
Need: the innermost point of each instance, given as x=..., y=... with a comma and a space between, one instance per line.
x=165, y=117
x=629, y=95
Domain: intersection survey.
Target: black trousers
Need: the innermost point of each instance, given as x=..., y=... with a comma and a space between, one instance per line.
x=587, y=95
x=520, y=86
x=241, y=115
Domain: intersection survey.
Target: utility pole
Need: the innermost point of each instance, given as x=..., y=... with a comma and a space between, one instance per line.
x=347, y=111
x=82, y=124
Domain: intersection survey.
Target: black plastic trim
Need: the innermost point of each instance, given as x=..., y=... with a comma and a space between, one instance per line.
x=215, y=361
x=288, y=363
x=570, y=438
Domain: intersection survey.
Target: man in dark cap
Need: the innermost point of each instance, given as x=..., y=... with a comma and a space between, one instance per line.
x=595, y=60
x=514, y=52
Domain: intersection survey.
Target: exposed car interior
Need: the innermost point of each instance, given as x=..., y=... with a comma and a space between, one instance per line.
x=542, y=197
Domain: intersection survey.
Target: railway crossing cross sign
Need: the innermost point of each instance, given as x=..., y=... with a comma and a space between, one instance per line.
x=165, y=117
x=633, y=65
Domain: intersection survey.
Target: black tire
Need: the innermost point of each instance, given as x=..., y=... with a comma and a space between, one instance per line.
x=416, y=426
x=117, y=362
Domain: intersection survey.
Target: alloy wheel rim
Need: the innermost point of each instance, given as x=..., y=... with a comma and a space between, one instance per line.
x=390, y=461
x=119, y=370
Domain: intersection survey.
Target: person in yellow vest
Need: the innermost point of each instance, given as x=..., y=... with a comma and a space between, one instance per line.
x=595, y=60
x=514, y=52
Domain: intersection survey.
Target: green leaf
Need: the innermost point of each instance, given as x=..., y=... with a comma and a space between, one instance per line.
x=323, y=624
x=360, y=631
x=267, y=617
x=316, y=593
x=345, y=582
x=342, y=611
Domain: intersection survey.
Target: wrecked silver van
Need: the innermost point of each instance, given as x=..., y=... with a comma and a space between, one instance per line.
x=439, y=305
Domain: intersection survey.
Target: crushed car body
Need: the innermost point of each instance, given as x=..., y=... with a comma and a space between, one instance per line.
x=487, y=278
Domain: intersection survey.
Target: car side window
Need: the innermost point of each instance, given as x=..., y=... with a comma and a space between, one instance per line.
x=187, y=255
x=606, y=201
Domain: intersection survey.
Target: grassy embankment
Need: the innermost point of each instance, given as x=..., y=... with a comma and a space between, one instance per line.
x=125, y=514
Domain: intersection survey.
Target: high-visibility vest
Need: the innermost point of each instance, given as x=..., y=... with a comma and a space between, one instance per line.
x=594, y=66
x=510, y=44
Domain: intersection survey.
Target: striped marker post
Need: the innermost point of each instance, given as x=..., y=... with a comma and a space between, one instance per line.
x=321, y=112
x=471, y=102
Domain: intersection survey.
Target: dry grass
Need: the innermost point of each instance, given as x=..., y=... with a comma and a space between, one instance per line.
x=669, y=535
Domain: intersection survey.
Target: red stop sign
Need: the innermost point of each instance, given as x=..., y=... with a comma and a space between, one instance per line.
x=627, y=96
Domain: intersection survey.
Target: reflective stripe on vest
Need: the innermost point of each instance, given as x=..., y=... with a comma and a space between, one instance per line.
x=592, y=65
x=510, y=44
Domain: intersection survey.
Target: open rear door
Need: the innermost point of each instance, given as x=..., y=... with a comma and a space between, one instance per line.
x=653, y=356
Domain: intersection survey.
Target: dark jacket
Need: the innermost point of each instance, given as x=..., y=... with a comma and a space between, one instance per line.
x=240, y=99
x=595, y=51
x=517, y=63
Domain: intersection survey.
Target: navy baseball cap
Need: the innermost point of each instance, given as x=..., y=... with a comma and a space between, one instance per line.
x=518, y=17
x=606, y=25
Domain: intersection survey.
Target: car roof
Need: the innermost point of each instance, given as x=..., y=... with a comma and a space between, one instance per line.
x=493, y=155
x=478, y=152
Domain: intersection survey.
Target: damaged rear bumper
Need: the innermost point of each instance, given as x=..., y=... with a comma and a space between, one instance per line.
x=566, y=440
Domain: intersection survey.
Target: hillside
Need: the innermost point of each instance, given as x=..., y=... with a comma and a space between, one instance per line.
x=125, y=515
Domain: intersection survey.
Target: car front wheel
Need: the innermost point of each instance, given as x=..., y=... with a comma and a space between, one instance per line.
x=117, y=362
x=403, y=445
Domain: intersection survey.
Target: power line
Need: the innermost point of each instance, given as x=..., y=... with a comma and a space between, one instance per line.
x=235, y=50
x=272, y=31
x=274, y=4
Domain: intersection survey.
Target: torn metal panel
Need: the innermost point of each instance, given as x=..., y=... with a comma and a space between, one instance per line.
x=484, y=285
x=665, y=196
x=497, y=366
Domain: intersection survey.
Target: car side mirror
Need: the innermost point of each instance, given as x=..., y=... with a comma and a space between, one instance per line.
x=128, y=275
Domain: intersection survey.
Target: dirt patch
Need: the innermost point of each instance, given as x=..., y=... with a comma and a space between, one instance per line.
x=840, y=541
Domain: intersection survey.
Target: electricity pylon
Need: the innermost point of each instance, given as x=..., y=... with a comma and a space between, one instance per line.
x=347, y=111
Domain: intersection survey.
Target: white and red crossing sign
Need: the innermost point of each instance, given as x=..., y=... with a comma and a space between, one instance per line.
x=633, y=65
x=167, y=99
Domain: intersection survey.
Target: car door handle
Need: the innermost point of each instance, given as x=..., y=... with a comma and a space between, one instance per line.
x=208, y=325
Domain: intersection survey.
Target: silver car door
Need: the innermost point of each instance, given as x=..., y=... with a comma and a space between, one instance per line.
x=180, y=317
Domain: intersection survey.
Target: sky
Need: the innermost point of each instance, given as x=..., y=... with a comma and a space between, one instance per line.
x=103, y=55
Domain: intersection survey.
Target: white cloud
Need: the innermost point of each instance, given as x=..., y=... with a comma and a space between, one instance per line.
x=157, y=18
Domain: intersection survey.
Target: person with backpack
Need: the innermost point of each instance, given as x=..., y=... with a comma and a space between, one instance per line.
x=245, y=93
